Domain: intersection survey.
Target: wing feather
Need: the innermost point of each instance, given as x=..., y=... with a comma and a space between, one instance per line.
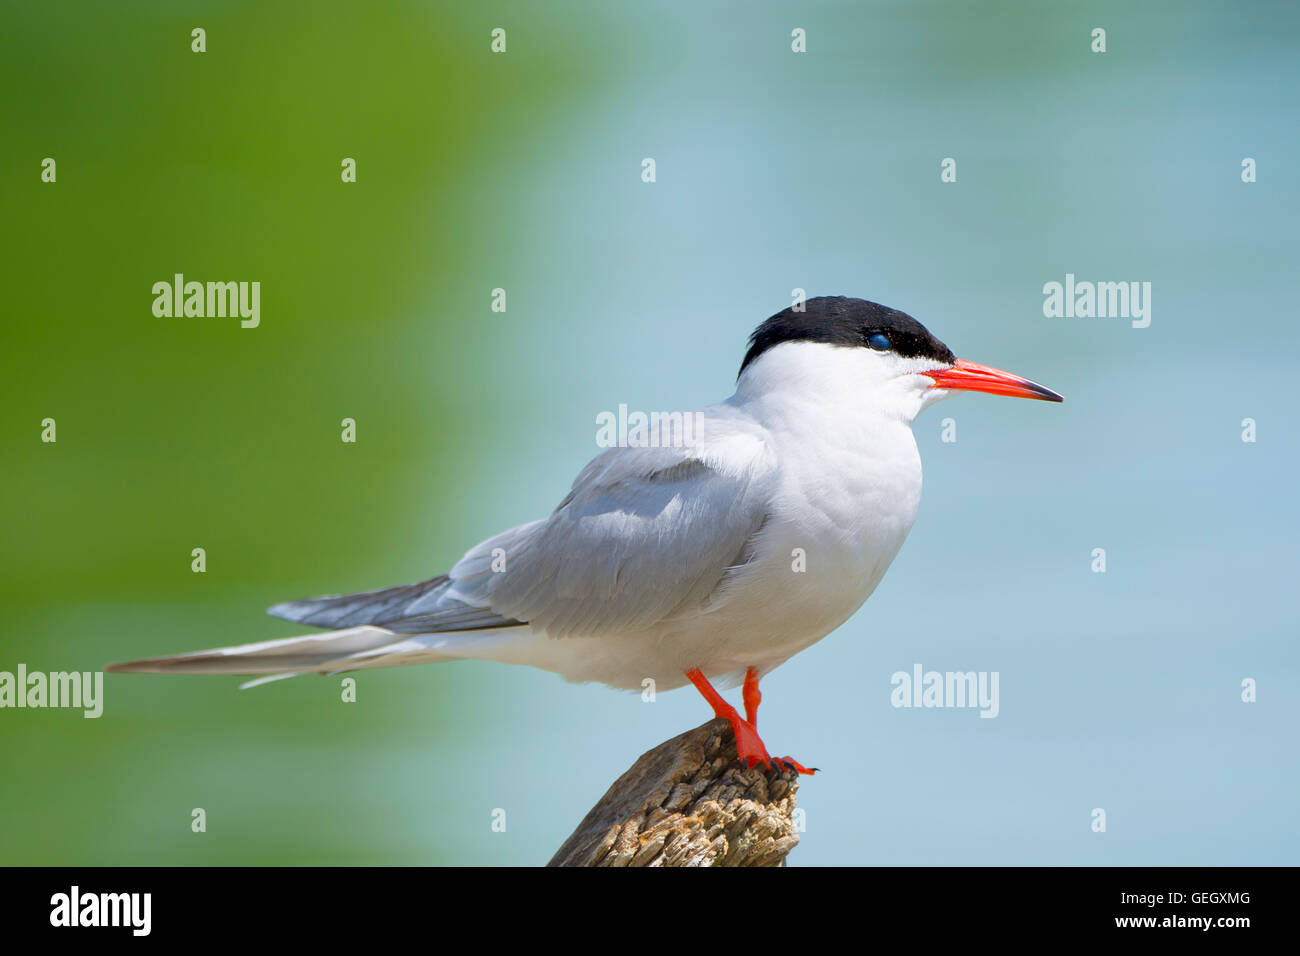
x=419, y=608
x=645, y=535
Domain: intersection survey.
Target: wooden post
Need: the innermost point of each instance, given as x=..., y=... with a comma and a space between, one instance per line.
x=688, y=802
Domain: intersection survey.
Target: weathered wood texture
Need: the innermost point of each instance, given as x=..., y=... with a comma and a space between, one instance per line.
x=687, y=802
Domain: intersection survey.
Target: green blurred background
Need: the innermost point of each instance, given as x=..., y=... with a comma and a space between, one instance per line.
x=522, y=171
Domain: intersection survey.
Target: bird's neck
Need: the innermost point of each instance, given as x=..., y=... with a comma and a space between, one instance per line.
x=845, y=446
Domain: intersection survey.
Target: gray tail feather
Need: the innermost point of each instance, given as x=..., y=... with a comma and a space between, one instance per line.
x=359, y=623
x=290, y=655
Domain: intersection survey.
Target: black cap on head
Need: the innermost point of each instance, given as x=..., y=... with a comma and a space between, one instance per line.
x=839, y=320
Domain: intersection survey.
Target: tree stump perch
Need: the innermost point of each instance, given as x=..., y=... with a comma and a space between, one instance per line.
x=688, y=802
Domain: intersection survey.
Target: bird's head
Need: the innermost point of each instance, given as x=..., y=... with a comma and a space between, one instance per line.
x=843, y=350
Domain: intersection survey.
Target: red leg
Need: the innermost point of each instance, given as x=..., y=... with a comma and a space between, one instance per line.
x=749, y=746
x=753, y=697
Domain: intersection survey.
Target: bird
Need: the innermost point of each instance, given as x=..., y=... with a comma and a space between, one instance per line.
x=709, y=558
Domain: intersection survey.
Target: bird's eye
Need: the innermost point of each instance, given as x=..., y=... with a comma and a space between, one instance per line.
x=879, y=341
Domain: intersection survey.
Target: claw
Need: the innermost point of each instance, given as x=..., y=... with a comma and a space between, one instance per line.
x=789, y=763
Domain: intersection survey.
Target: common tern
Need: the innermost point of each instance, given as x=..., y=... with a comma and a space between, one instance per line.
x=706, y=561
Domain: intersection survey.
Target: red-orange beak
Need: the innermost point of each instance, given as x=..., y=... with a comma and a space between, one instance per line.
x=971, y=377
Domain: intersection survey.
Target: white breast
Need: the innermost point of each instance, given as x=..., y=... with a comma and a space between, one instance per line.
x=848, y=491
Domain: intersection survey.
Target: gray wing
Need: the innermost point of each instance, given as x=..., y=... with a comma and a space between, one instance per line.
x=645, y=535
